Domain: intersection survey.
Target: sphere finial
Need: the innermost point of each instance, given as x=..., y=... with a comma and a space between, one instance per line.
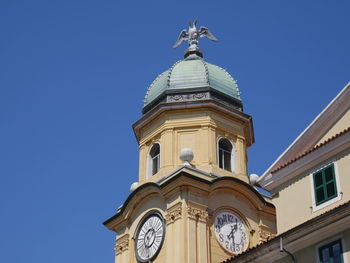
x=186, y=155
x=253, y=178
x=134, y=186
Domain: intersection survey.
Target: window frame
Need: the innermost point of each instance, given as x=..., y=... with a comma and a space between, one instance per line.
x=317, y=206
x=329, y=242
x=150, y=161
x=232, y=157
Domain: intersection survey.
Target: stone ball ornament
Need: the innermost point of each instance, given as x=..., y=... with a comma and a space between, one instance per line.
x=134, y=186
x=186, y=155
x=253, y=179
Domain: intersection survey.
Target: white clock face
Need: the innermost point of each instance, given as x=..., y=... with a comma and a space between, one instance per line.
x=231, y=232
x=149, y=238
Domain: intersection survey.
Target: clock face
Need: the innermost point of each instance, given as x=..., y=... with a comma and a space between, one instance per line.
x=231, y=232
x=149, y=238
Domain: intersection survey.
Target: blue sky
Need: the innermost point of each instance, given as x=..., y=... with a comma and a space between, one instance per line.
x=73, y=75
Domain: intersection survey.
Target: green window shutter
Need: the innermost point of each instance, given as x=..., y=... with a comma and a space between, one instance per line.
x=325, y=185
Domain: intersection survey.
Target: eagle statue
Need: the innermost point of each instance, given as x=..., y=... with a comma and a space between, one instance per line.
x=192, y=36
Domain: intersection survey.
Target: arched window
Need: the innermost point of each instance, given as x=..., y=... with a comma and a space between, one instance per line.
x=154, y=159
x=226, y=160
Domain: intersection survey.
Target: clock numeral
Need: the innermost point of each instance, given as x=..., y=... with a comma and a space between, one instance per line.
x=157, y=225
x=139, y=243
x=230, y=232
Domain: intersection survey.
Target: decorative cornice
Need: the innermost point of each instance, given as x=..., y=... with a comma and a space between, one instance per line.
x=183, y=173
x=204, y=103
x=188, y=97
x=122, y=244
x=173, y=213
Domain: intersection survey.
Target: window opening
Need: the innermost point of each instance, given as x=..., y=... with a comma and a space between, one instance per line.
x=155, y=158
x=325, y=185
x=331, y=253
x=225, y=152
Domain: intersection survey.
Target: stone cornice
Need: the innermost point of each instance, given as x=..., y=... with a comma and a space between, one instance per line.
x=241, y=116
x=183, y=177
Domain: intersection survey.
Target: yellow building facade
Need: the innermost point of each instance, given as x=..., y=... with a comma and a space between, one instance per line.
x=194, y=201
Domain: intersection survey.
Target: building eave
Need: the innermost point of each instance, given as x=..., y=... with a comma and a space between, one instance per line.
x=306, y=161
x=314, y=132
x=161, y=108
x=180, y=175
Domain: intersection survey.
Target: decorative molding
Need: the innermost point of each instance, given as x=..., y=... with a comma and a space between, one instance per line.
x=197, y=213
x=173, y=213
x=122, y=244
x=265, y=235
x=211, y=105
x=188, y=97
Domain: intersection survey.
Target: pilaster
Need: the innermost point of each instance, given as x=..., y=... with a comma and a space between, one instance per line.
x=197, y=231
x=122, y=248
x=175, y=232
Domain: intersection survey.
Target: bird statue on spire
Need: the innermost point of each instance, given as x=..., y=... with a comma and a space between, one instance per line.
x=192, y=36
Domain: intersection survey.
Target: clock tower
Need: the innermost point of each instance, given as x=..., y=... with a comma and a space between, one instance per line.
x=194, y=201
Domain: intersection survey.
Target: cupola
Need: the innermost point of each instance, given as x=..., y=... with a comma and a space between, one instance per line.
x=193, y=106
x=193, y=79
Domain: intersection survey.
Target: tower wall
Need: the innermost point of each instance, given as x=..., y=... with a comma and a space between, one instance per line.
x=198, y=129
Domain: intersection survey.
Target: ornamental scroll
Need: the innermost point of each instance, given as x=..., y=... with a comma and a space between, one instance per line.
x=122, y=244
x=197, y=213
x=173, y=213
x=265, y=235
x=188, y=97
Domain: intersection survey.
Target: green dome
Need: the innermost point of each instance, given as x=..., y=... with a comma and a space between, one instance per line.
x=189, y=75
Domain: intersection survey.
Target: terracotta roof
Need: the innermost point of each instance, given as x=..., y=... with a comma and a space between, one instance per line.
x=329, y=212
x=312, y=149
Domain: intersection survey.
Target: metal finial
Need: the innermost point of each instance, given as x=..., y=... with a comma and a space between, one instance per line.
x=192, y=36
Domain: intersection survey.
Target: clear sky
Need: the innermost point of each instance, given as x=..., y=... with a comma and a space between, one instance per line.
x=73, y=75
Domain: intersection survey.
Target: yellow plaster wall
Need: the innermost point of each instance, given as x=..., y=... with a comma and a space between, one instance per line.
x=189, y=208
x=189, y=212
x=195, y=129
x=294, y=200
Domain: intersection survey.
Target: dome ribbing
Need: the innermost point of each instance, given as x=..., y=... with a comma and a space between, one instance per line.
x=189, y=75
